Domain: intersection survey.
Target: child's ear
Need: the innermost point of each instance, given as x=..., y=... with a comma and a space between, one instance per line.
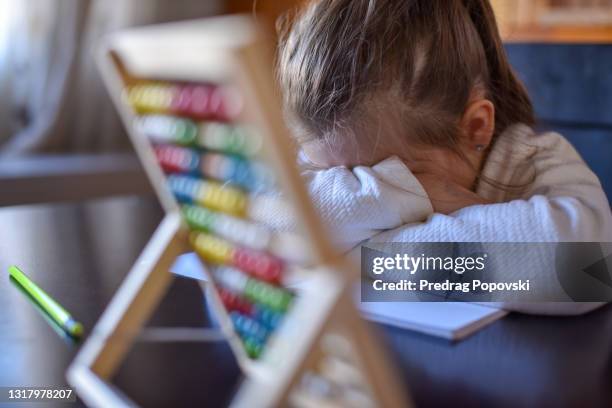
x=478, y=124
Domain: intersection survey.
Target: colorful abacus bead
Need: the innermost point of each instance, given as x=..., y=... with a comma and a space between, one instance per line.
x=200, y=218
x=222, y=198
x=175, y=159
x=151, y=97
x=273, y=297
x=266, y=316
x=229, y=138
x=231, y=228
x=211, y=248
x=208, y=194
x=168, y=129
x=249, y=328
x=252, y=347
x=226, y=168
x=196, y=101
x=207, y=102
x=234, y=302
x=231, y=278
x=185, y=189
x=258, y=264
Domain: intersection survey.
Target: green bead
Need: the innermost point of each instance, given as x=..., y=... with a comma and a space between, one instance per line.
x=284, y=301
x=234, y=141
x=199, y=218
x=252, y=347
x=185, y=131
x=268, y=295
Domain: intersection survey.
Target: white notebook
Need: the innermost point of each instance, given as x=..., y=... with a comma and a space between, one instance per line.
x=451, y=320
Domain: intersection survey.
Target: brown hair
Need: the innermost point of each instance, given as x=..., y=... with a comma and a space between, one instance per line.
x=337, y=59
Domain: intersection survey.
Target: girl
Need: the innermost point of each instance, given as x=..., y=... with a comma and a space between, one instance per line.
x=413, y=128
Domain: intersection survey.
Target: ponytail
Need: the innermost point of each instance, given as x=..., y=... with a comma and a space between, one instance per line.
x=510, y=97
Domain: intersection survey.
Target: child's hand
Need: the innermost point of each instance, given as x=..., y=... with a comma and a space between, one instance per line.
x=447, y=196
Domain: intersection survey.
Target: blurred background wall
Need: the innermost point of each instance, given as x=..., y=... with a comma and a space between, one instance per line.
x=53, y=100
x=562, y=50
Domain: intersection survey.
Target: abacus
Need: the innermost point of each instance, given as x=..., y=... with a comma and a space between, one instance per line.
x=198, y=100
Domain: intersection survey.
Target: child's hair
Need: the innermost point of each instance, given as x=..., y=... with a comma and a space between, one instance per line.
x=340, y=62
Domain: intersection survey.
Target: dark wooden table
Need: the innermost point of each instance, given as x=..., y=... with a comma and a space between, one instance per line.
x=80, y=253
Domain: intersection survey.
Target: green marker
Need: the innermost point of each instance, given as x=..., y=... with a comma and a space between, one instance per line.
x=56, y=312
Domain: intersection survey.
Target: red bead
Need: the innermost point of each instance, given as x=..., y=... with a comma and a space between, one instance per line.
x=181, y=101
x=215, y=101
x=234, y=302
x=258, y=264
x=200, y=101
x=205, y=102
x=177, y=159
x=166, y=159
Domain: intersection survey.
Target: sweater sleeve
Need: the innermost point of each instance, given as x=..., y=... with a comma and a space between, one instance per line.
x=564, y=203
x=356, y=204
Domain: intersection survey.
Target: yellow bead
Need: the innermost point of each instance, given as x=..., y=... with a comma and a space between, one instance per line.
x=212, y=249
x=222, y=198
x=150, y=97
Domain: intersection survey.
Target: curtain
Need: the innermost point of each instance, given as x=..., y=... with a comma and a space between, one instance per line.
x=53, y=99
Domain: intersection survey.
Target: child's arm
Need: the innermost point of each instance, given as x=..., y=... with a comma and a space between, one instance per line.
x=566, y=203
x=446, y=196
x=357, y=204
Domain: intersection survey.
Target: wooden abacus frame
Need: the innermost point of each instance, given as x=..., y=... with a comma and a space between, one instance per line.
x=233, y=47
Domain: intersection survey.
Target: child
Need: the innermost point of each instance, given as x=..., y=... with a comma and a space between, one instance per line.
x=413, y=128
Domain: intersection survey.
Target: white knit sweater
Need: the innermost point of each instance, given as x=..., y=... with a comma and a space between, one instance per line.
x=550, y=196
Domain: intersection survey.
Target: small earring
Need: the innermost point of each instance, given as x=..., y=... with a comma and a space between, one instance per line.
x=480, y=148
